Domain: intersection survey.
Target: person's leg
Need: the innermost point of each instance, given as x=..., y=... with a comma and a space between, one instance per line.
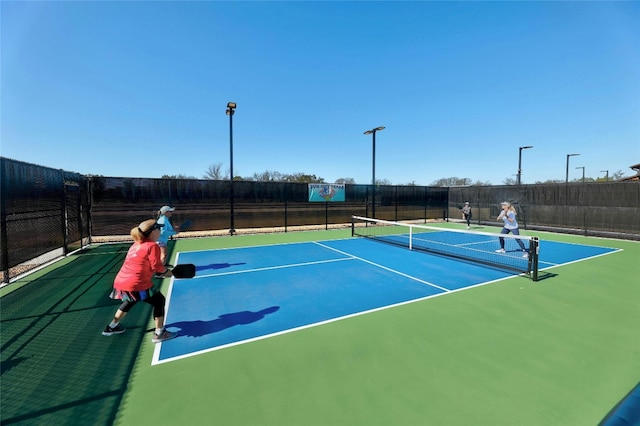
x=504, y=231
x=520, y=243
x=157, y=300
x=160, y=334
x=114, y=327
x=119, y=315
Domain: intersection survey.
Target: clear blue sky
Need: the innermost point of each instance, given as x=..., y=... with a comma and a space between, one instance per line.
x=140, y=88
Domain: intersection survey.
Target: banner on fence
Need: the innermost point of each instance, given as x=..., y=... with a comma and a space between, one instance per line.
x=326, y=192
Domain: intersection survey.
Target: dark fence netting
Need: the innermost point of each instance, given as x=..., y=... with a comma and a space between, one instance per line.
x=47, y=213
x=44, y=215
x=598, y=209
x=120, y=203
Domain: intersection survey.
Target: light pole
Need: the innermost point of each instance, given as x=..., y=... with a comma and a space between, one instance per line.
x=520, y=162
x=581, y=167
x=607, y=172
x=373, y=174
x=566, y=180
x=231, y=106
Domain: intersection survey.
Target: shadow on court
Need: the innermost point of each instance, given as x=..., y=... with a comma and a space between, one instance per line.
x=215, y=266
x=545, y=275
x=202, y=328
x=202, y=268
x=57, y=368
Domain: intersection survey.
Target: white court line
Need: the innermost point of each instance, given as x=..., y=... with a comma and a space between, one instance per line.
x=269, y=268
x=555, y=265
x=257, y=246
x=384, y=267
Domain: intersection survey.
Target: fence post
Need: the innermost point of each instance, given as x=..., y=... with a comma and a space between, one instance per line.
x=426, y=205
x=286, y=205
x=396, y=202
x=3, y=220
x=89, y=209
x=65, y=230
x=366, y=202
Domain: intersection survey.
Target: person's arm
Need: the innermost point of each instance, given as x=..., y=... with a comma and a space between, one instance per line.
x=171, y=231
x=509, y=217
x=154, y=260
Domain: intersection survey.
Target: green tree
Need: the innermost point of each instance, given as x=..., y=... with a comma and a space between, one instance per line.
x=303, y=178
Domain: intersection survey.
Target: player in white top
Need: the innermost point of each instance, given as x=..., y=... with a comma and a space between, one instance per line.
x=508, y=215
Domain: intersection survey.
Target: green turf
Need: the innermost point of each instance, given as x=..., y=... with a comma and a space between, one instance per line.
x=561, y=351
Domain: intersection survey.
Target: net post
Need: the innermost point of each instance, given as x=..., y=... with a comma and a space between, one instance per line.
x=353, y=226
x=533, y=257
x=410, y=237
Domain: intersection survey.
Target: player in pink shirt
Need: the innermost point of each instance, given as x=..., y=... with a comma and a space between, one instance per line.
x=133, y=283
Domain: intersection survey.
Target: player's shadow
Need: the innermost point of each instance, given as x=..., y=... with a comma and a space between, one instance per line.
x=202, y=328
x=217, y=266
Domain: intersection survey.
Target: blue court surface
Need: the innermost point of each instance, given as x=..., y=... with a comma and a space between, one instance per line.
x=243, y=294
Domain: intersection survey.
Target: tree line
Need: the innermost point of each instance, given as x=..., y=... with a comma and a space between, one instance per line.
x=215, y=172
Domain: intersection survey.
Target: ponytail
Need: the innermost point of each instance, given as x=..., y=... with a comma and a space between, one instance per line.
x=142, y=231
x=137, y=234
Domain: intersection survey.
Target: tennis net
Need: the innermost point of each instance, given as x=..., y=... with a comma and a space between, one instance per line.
x=520, y=252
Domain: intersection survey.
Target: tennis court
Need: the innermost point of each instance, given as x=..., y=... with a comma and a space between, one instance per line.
x=321, y=328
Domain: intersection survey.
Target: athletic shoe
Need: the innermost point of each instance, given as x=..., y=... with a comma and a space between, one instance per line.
x=118, y=329
x=166, y=335
x=525, y=255
x=500, y=251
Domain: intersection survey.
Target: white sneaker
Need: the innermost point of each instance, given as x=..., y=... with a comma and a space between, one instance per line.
x=166, y=335
x=500, y=251
x=525, y=255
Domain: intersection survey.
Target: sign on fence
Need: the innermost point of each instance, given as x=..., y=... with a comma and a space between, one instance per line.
x=326, y=192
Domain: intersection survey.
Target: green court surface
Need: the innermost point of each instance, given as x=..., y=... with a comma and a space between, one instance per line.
x=564, y=350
